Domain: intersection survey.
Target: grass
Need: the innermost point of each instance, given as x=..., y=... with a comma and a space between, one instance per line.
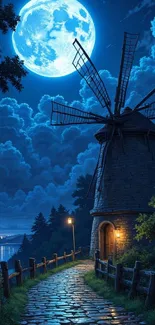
x=106, y=290
x=13, y=308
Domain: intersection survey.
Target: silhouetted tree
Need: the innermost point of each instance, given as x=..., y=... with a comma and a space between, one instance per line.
x=82, y=186
x=25, y=245
x=82, y=213
x=39, y=230
x=52, y=219
x=62, y=214
x=8, y=18
x=11, y=69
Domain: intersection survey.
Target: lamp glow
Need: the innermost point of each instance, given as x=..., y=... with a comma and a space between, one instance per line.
x=118, y=234
x=70, y=221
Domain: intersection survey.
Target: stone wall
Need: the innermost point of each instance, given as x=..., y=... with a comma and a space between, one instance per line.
x=123, y=223
x=127, y=185
x=128, y=182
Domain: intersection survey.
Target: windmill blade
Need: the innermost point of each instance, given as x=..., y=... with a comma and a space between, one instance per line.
x=128, y=51
x=87, y=70
x=103, y=160
x=92, y=187
x=91, y=190
x=148, y=110
x=150, y=95
x=67, y=115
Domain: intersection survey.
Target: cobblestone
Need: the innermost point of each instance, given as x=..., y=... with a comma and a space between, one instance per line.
x=64, y=298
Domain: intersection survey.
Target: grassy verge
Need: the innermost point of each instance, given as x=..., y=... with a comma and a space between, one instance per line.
x=107, y=291
x=14, y=307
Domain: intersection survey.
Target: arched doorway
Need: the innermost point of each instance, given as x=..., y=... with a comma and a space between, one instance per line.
x=107, y=240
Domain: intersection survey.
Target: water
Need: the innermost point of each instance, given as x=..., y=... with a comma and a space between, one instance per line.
x=7, y=250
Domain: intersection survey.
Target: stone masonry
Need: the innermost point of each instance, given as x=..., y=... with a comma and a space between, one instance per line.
x=128, y=180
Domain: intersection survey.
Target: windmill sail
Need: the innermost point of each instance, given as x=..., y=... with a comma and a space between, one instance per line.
x=129, y=47
x=148, y=111
x=103, y=159
x=147, y=105
x=66, y=115
x=149, y=98
x=87, y=70
x=92, y=187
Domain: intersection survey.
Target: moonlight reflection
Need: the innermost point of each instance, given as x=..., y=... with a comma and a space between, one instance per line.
x=44, y=36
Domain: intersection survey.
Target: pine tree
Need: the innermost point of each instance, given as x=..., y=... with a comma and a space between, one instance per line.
x=25, y=245
x=52, y=218
x=39, y=230
x=82, y=213
x=11, y=69
x=81, y=191
x=61, y=216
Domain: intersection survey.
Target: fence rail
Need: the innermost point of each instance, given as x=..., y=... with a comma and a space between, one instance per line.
x=121, y=274
x=19, y=271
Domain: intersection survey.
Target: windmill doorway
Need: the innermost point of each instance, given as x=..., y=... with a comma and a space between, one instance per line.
x=107, y=240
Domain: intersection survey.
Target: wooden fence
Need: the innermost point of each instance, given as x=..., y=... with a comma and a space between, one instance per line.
x=128, y=278
x=32, y=269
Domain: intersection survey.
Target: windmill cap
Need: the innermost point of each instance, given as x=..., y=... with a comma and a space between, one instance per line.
x=134, y=124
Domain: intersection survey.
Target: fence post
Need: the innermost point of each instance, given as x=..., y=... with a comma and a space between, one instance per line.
x=97, y=257
x=102, y=269
x=5, y=276
x=73, y=256
x=118, y=277
x=44, y=266
x=65, y=258
x=150, y=299
x=32, y=267
x=135, y=280
x=56, y=259
x=108, y=268
x=18, y=268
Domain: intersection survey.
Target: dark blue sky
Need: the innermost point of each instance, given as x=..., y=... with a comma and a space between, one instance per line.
x=39, y=165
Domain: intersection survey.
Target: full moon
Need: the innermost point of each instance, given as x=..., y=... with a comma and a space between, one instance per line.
x=46, y=31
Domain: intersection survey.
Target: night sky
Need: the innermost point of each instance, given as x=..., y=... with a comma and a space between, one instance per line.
x=39, y=164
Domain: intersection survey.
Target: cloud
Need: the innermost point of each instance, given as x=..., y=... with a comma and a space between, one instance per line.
x=142, y=79
x=144, y=4
x=14, y=171
x=89, y=101
x=39, y=163
x=147, y=41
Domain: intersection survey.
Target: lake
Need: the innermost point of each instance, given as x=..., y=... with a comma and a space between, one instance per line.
x=7, y=250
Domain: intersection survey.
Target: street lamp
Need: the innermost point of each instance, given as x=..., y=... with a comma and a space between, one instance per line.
x=71, y=222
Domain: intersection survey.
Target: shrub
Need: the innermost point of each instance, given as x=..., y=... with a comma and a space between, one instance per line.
x=145, y=255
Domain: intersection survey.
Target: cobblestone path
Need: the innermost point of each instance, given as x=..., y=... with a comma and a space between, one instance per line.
x=63, y=298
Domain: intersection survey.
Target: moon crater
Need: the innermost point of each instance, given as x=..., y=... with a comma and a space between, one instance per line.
x=46, y=31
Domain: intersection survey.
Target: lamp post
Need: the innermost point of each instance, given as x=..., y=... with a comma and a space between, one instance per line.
x=71, y=222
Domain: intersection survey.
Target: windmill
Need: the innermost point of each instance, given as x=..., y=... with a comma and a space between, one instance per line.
x=117, y=125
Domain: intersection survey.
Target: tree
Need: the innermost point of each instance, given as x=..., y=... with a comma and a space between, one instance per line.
x=81, y=191
x=11, y=69
x=145, y=228
x=8, y=18
x=62, y=213
x=60, y=217
x=52, y=219
x=82, y=213
x=39, y=230
x=25, y=245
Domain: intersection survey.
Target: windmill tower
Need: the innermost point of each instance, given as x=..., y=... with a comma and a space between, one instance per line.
x=124, y=178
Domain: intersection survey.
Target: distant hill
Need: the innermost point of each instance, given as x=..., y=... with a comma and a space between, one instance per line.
x=15, y=239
